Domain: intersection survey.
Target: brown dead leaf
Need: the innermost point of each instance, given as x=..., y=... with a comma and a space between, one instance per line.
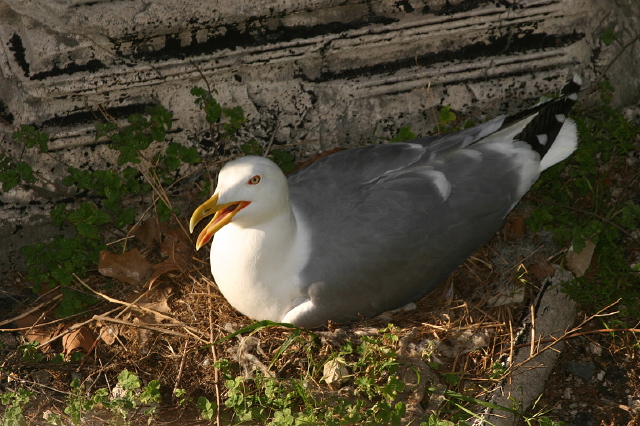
x=540, y=268
x=176, y=245
x=162, y=268
x=130, y=267
x=514, y=229
x=148, y=232
x=335, y=373
x=155, y=299
x=81, y=338
x=27, y=320
x=37, y=334
x=578, y=263
x=108, y=334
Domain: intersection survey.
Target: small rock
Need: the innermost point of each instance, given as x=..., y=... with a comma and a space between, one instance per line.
x=41, y=376
x=595, y=348
x=470, y=341
x=567, y=393
x=581, y=369
x=578, y=263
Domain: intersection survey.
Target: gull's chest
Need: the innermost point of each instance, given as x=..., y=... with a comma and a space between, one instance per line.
x=255, y=271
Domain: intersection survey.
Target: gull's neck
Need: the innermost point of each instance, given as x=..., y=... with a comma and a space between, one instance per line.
x=257, y=268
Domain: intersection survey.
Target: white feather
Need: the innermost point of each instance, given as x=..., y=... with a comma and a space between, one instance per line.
x=566, y=142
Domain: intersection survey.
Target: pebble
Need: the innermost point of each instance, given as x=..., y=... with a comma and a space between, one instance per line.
x=581, y=369
x=595, y=348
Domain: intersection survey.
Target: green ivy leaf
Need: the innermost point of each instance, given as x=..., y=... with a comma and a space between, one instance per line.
x=190, y=155
x=446, y=116
x=158, y=133
x=198, y=92
x=213, y=111
x=58, y=214
x=125, y=217
x=404, y=134
x=206, y=407
x=172, y=163
x=31, y=137
x=151, y=393
x=163, y=211
x=128, y=380
x=87, y=230
x=25, y=171
x=137, y=120
x=252, y=148
x=10, y=179
x=130, y=173
x=235, y=114
x=283, y=159
x=105, y=129
x=630, y=216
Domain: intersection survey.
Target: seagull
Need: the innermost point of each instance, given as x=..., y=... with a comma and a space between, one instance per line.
x=370, y=229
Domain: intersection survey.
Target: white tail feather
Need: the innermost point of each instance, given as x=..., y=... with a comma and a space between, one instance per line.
x=566, y=142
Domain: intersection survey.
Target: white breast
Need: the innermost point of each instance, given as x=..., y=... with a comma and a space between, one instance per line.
x=257, y=269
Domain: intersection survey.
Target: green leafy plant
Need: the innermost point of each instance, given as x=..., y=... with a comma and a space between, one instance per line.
x=576, y=202
x=131, y=396
x=138, y=135
x=225, y=122
x=30, y=352
x=404, y=134
x=105, y=194
x=207, y=408
x=435, y=421
x=14, y=402
x=14, y=172
x=373, y=369
x=446, y=116
x=448, y=121
x=608, y=36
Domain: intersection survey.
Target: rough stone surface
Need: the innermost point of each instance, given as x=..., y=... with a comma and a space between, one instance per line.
x=320, y=73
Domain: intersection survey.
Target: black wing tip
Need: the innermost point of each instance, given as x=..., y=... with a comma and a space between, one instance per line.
x=573, y=86
x=543, y=130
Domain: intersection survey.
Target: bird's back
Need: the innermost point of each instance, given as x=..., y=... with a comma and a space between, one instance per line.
x=392, y=221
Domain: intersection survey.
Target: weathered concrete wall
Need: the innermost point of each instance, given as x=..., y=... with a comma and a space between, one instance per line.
x=327, y=72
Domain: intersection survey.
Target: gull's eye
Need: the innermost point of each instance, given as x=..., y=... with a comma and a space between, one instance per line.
x=254, y=180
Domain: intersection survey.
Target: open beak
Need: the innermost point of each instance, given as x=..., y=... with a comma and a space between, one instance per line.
x=223, y=215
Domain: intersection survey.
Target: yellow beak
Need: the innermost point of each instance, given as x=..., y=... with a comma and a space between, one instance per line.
x=223, y=215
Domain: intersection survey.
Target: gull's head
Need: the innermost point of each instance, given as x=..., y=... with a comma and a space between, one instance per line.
x=251, y=190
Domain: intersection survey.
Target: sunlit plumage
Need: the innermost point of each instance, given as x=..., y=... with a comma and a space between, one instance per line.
x=370, y=229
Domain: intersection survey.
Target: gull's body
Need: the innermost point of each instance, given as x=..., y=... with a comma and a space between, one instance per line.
x=370, y=229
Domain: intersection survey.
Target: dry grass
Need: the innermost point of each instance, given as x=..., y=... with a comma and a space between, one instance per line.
x=167, y=332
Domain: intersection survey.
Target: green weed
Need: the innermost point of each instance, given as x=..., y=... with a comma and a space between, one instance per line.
x=103, y=197
x=121, y=405
x=608, y=36
x=14, y=402
x=576, y=202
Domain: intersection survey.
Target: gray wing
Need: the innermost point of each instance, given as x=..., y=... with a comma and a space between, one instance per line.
x=390, y=222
